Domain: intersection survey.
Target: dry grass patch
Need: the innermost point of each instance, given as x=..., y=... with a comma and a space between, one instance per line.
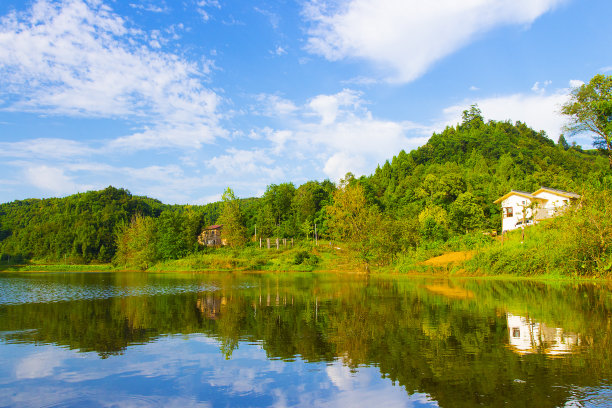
x=449, y=258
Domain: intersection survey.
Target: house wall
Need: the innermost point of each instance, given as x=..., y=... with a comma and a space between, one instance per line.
x=517, y=203
x=528, y=336
x=554, y=201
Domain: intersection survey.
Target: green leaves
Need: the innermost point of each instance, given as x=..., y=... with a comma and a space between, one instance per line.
x=590, y=110
x=232, y=219
x=136, y=243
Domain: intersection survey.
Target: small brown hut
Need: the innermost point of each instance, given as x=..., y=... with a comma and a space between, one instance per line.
x=212, y=236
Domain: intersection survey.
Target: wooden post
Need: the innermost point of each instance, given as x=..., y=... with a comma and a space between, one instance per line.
x=316, y=236
x=268, y=242
x=285, y=242
x=259, y=242
x=277, y=244
x=291, y=242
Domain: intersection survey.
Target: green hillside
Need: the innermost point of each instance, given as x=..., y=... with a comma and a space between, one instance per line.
x=443, y=189
x=482, y=162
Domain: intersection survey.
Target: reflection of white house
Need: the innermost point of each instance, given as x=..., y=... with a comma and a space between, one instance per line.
x=521, y=208
x=527, y=336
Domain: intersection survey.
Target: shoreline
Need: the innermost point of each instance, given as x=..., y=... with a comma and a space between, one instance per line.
x=432, y=273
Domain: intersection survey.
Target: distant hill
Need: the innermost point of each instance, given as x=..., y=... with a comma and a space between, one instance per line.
x=78, y=226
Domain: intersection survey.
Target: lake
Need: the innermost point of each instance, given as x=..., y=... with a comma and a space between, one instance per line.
x=260, y=340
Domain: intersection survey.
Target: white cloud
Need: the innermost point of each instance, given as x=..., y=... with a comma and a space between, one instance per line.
x=42, y=364
x=153, y=8
x=203, y=5
x=52, y=179
x=272, y=17
x=279, y=50
x=405, y=37
x=50, y=148
x=169, y=134
x=341, y=163
x=240, y=163
x=574, y=83
x=540, y=87
x=78, y=58
x=360, y=80
x=606, y=69
x=337, y=133
x=326, y=106
x=169, y=183
x=274, y=105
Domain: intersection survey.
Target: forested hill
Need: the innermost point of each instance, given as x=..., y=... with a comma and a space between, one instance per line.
x=444, y=188
x=479, y=162
x=81, y=227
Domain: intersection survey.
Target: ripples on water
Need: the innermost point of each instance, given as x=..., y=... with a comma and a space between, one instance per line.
x=70, y=339
x=40, y=290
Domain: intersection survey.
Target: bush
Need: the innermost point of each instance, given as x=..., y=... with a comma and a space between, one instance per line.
x=305, y=258
x=578, y=243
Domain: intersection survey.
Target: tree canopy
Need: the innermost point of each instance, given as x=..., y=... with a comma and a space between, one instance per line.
x=419, y=198
x=590, y=110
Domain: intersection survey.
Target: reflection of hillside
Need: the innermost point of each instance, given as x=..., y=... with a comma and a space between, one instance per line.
x=527, y=336
x=453, y=348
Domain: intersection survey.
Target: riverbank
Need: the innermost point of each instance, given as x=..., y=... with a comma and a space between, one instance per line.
x=438, y=261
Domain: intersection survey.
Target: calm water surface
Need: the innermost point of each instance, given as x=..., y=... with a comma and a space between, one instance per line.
x=127, y=339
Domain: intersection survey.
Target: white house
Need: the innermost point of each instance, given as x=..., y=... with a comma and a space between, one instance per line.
x=520, y=208
x=526, y=336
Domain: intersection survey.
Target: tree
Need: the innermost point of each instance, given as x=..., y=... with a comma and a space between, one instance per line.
x=171, y=238
x=465, y=213
x=232, y=219
x=590, y=110
x=351, y=219
x=361, y=226
x=136, y=243
x=472, y=118
x=562, y=143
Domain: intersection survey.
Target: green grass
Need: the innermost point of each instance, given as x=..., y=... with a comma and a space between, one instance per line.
x=40, y=267
x=302, y=257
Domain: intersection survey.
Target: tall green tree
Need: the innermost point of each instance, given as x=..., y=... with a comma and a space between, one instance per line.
x=172, y=240
x=232, y=219
x=465, y=213
x=135, y=242
x=353, y=221
x=590, y=110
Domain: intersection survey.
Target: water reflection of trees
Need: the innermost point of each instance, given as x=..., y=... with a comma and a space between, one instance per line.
x=456, y=350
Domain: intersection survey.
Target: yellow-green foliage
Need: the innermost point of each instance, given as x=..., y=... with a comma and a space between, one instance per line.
x=302, y=257
x=579, y=243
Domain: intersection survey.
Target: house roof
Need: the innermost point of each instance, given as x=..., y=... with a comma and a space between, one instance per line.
x=519, y=193
x=562, y=193
x=212, y=227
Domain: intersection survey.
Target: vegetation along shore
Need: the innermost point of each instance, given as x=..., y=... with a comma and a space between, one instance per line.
x=434, y=200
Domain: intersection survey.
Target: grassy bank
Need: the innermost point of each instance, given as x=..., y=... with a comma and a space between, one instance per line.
x=303, y=257
x=51, y=267
x=577, y=245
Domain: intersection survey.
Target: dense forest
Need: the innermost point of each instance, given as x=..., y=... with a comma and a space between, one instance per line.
x=443, y=189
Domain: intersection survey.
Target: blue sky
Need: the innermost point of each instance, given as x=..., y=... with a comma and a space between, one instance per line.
x=178, y=100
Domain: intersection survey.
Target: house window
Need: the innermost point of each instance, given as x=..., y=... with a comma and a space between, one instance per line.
x=516, y=332
x=508, y=212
